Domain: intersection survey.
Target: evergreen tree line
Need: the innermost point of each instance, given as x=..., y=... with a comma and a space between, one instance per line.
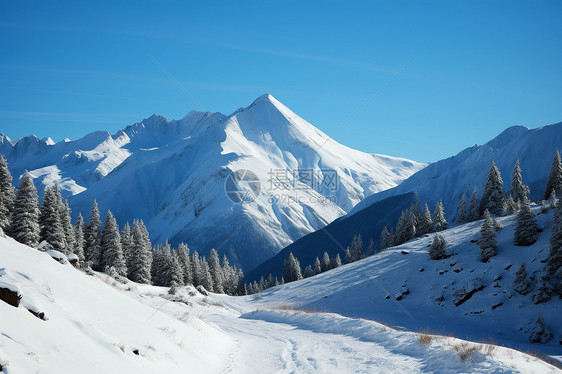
x=414, y=222
x=549, y=280
x=102, y=247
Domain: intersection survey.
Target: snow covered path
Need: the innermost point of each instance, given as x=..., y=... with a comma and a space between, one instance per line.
x=265, y=344
x=274, y=347
x=286, y=341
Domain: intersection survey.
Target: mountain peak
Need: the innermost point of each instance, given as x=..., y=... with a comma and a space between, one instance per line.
x=265, y=99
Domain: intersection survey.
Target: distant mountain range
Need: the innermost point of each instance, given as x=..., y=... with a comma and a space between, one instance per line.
x=173, y=175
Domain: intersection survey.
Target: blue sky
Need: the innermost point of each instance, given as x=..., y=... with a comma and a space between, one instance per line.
x=474, y=68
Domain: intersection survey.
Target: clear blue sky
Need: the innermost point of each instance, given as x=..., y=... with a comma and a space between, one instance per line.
x=67, y=69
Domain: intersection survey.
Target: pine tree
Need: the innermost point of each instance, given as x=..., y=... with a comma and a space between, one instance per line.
x=291, y=269
x=111, y=254
x=511, y=206
x=527, y=230
x=51, y=227
x=25, y=215
x=176, y=272
x=356, y=248
x=493, y=198
x=554, y=261
x=371, y=249
x=437, y=249
x=439, y=221
x=543, y=291
x=425, y=224
x=487, y=240
x=553, y=200
x=557, y=282
x=325, y=266
x=461, y=210
x=336, y=262
x=93, y=237
x=317, y=266
x=405, y=228
x=540, y=332
x=386, y=239
x=521, y=283
x=7, y=195
x=127, y=244
x=308, y=272
x=140, y=256
x=196, y=268
x=242, y=283
x=518, y=190
x=162, y=266
x=207, y=279
x=185, y=262
x=79, y=242
x=67, y=227
x=554, y=181
x=473, y=210
x=348, y=259
x=216, y=271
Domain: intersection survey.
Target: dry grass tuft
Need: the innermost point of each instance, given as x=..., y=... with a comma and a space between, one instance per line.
x=465, y=350
x=295, y=309
x=425, y=339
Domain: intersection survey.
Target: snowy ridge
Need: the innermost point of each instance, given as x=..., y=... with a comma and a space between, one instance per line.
x=172, y=175
x=448, y=179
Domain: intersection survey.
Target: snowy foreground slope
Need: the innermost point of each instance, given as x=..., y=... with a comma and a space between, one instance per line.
x=96, y=324
x=172, y=175
x=426, y=288
x=91, y=327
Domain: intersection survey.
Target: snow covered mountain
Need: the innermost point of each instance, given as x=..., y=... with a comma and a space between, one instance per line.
x=448, y=179
x=172, y=175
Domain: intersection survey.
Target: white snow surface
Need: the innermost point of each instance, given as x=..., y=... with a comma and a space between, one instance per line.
x=95, y=323
x=92, y=327
x=172, y=175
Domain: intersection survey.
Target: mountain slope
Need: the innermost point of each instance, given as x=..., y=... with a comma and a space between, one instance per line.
x=402, y=286
x=98, y=324
x=338, y=235
x=91, y=327
x=172, y=175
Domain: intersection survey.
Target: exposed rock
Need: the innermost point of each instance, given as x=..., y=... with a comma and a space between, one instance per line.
x=464, y=293
x=202, y=290
x=10, y=294
x=40, y=315
x=497, y=305
x=44, y=246
x=58, y=256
